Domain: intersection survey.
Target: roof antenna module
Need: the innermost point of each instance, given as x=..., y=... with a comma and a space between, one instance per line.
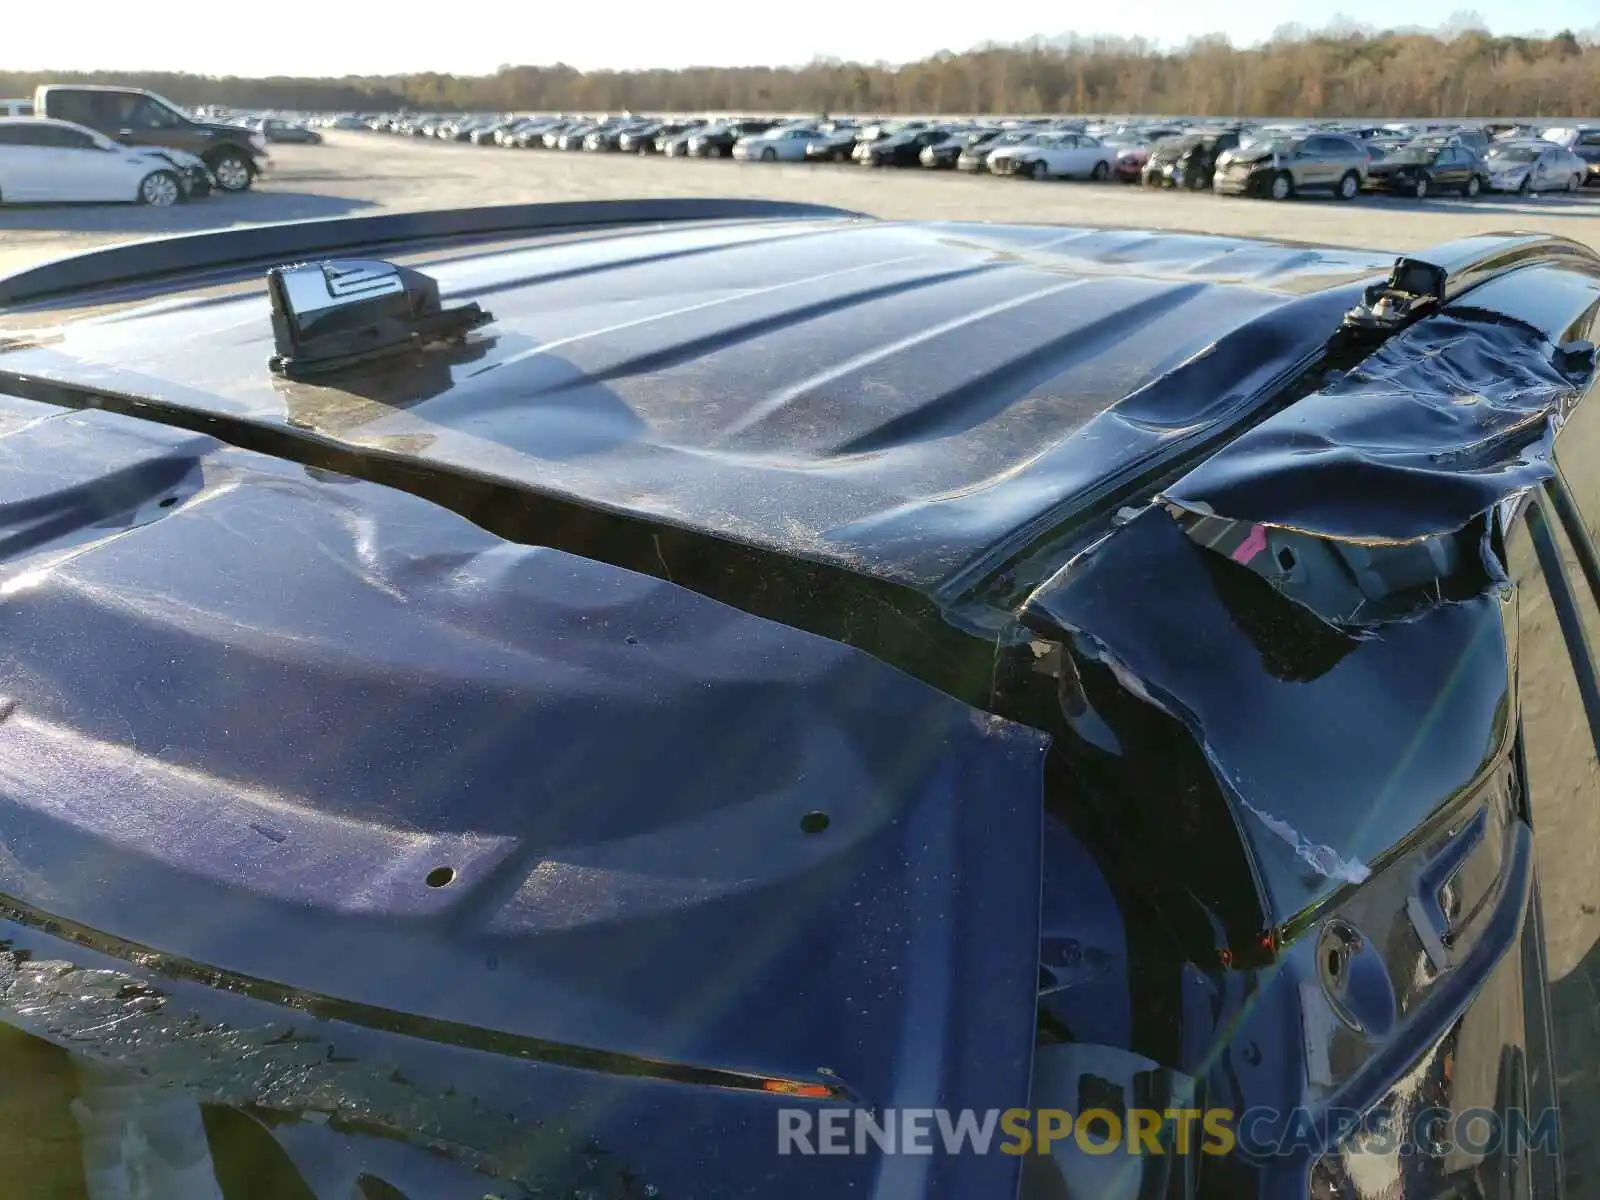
x=327, y=316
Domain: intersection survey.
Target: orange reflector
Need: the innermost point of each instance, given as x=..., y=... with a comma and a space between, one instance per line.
x=788, y=1087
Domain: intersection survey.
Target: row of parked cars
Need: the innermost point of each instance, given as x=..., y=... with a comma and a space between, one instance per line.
x=1275, y=161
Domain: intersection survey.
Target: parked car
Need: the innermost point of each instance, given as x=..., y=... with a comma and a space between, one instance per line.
x=903, y=149
x=676, y=145
x=1188, y=160
x=943, y=155
x=489, y=134
x=276, y=130
x=1283, y=166
x=135, y=117
x=1426, y=167
x=644, y=139
x=571, y=137
x=1587, y=147
x=531, y=136
x=16, y=108
x=837, y=142
x=1055, y=156
x=1224, y=737
x=976, y=158
x=1582, y=141
x=782, y=144
x=1534, y=166
x=607, y=138
x=49, y=161
x=717, y=141
x=1132, y=151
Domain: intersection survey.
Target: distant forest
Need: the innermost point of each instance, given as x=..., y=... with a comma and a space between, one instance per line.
x=1334, y=73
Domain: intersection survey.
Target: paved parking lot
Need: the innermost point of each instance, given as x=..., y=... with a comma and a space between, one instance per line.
x=369, y=172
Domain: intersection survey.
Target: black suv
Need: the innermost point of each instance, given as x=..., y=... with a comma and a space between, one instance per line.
x=949, y=689
x=236, y=155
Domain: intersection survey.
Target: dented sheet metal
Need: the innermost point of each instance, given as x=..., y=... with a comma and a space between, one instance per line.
x=1378, y=496
x=1332, y=576
x=1308, y=735
x=320, y=744
x=1439, y=424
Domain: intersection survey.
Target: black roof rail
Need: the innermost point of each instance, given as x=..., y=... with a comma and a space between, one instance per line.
x=1422, y=283
x=291, y=241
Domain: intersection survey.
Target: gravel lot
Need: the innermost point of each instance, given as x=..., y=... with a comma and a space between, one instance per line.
x=356, y=172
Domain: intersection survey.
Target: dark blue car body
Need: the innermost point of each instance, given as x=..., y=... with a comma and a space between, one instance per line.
x=790, y=660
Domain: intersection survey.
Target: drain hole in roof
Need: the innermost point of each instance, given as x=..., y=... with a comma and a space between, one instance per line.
x=814, y=822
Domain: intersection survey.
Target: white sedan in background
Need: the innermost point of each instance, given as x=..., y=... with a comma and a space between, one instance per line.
x=777, y=145
x=44, y=160
x=1534, y=166
x=1056, y=155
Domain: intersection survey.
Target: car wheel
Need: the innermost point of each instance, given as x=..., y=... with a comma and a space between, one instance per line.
x=232, y=170
x=1419, y=189
x=1282, y=185
x=1472, y=188
x=1101, y=172
x=1349, y=185
x=1574, y=183
x=1526, y=186
x=160, y=189
x=1037, y=170
x=769, y=155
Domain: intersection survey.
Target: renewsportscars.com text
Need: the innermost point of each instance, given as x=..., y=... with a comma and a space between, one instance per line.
x=1260, y=1132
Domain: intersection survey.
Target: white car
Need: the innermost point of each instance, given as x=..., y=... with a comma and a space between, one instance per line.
x=1056, y=155
x=1534, y=166
x=777, y=145
x=48, y=160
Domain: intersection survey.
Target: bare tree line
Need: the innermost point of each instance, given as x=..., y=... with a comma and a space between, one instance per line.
x=1345, y=73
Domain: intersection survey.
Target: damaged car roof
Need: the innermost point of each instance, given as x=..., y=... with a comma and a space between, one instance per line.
x=890, y=398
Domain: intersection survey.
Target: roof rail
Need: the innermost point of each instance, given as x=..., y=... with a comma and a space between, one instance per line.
x=290, y=241
x=1422, y=283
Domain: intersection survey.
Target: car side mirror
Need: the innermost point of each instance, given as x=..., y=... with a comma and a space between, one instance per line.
x=331, y=315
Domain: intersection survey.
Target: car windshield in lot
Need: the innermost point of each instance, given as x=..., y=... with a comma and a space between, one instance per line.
x=1273, y=142
x=1515, y=154
x=1416, y=152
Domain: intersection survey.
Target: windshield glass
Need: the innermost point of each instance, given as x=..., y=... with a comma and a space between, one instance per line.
x=1515, y=154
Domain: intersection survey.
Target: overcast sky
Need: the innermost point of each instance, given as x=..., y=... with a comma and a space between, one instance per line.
x=319, y=37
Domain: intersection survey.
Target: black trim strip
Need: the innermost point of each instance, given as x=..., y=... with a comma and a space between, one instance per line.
x=288, y=241
x=1577, y=533
x=1579, y=651
x=382, y=1020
